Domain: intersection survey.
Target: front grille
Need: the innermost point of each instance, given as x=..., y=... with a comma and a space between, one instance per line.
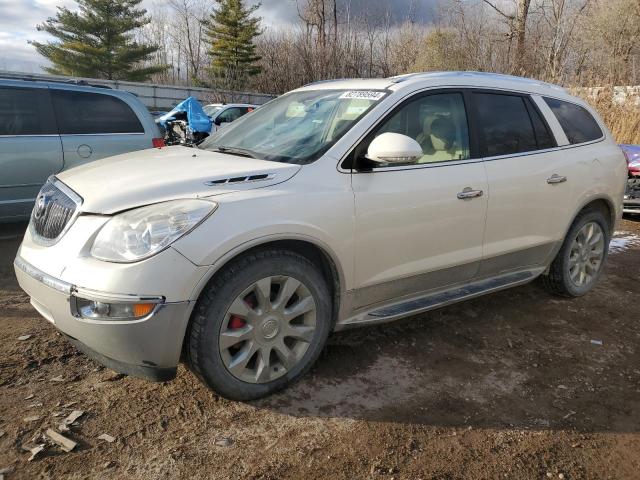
x=53, y=212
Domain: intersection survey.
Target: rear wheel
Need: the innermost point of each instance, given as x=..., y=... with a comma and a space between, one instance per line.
x=260, y=324
x=579, y=263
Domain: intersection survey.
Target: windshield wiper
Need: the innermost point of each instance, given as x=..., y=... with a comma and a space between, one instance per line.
x=241, y=152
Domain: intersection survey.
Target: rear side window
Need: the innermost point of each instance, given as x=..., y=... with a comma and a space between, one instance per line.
x=578, y=124
x=544, y=138
x=26, y=111
x=92, y=113
x=504, y=124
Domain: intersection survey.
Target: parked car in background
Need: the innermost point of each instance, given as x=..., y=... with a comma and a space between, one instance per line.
x=340, y=204
x=185, y=124
x=632, y=195
x=224, y=113
x=48, y=127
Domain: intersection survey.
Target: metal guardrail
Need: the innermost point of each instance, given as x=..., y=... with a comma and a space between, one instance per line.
x=154, y=96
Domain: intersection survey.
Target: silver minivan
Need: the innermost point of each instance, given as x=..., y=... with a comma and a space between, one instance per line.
x=47, y=127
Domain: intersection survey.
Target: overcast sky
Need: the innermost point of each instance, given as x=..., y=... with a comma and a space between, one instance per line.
x=18, y=20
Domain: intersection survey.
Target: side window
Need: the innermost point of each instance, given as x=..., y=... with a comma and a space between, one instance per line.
x=544, y=138
x=504, y=124
x=93, y=113
x=576, y=121
x=438, y=122
x=230, y=114
x=26, y=111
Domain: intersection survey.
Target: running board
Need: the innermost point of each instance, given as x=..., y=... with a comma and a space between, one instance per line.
x=439, y=299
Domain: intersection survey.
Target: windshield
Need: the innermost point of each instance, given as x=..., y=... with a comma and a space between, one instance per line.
x=211, y=109
x=295, y=128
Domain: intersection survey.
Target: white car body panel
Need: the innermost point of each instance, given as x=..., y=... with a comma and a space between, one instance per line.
x=392, y=235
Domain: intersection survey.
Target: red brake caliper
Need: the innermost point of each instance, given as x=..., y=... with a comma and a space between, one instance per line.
x=237, y=322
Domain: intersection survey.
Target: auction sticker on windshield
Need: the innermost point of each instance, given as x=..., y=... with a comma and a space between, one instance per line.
x=363, y=94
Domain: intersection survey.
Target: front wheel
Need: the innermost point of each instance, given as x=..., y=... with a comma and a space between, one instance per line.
x=260, y=324
x=579, y=263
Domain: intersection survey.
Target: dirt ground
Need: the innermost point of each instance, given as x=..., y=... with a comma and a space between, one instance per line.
x=513, y=385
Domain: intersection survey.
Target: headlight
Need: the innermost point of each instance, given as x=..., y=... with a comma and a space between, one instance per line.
x=138, y=234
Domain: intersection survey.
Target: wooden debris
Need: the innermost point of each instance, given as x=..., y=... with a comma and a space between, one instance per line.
x=35, y=451
x=63, y=442
x=73, y=416
x=107, y=438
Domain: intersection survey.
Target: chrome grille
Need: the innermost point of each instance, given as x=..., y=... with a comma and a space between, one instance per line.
x=54, y=211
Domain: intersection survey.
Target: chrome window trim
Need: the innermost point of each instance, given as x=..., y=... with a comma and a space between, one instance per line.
x=444, y=163
x=74, y=197
x=99, y=134
x=31, y=135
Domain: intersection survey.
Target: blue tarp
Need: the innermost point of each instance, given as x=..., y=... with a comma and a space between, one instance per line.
x=196, y=118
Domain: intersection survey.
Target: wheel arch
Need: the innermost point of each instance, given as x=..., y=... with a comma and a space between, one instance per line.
x=601, y=203
x=312, y=249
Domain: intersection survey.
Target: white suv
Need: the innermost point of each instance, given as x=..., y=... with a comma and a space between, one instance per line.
x=339, y=204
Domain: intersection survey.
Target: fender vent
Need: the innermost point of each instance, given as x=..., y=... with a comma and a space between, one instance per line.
x=245, y=179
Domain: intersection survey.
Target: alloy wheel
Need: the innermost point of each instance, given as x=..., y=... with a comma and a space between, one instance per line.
x=587, y=254
x=267, y=329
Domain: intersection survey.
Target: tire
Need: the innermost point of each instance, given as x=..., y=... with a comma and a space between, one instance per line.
x=559, y=279
x=220, y=316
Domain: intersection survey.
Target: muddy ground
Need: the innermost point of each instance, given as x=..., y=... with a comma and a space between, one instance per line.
x=514, y=385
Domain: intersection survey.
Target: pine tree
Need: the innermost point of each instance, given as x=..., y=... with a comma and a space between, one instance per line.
x=231, y=31
x=97, y=41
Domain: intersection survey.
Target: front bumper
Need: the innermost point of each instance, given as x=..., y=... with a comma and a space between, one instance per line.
x=631, y=203
x=148, y=347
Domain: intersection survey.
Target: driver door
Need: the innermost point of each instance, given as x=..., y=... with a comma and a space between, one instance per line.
x=413, y=231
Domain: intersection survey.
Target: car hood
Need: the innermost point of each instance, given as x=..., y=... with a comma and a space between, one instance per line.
x=149, y=176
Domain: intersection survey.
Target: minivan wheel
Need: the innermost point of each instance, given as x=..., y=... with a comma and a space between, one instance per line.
x=260, y=324
x=578, y=265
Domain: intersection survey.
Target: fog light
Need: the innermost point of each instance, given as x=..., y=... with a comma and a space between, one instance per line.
x=101, y=310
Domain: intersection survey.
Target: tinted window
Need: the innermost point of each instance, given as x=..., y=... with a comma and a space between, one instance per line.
x=437, y=122
x=232, y=114
x=26, y=111
x=576, y=121
x=87, y=113
x=544, y=138
x=504, y=124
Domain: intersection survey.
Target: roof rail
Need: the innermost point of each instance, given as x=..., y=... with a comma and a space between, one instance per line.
x=45, y=79
x=328, y=80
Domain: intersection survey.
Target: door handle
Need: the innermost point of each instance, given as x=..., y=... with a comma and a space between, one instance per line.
x=469, y=193
x=555, y=178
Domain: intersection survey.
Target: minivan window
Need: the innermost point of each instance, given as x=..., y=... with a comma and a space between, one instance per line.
x=578, y=124
x=438, y=122
x=93, y=113
x=26, y=111
x=504, y=124
x=298, y=127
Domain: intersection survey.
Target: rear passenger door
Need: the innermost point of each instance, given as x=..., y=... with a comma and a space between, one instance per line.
x=528, y=197
x=96, y=125
x=30, y=148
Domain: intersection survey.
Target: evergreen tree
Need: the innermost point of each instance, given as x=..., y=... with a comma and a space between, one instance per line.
x=231, y=31
x=97, y=41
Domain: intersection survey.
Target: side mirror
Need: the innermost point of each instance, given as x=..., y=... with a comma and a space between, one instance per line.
x=394, y=148
x=217, y=121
